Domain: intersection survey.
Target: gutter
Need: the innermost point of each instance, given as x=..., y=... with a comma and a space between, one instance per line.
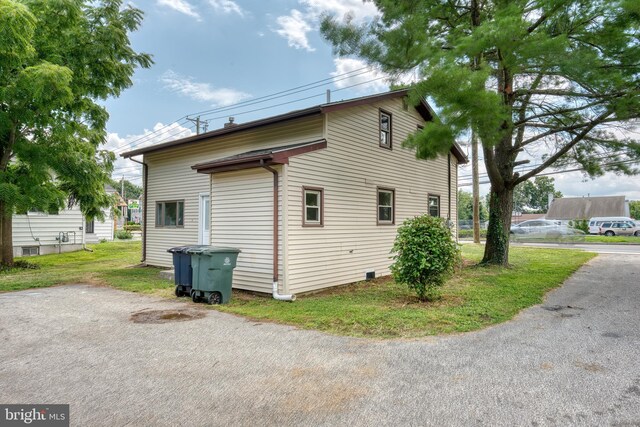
x=275, y=293
x=145, y=179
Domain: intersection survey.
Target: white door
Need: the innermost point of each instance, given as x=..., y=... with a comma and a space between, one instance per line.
x=204, y=237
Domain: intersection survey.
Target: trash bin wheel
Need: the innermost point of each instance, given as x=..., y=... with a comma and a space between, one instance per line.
x=214, y=298
x=178, y=291
x=194, y=296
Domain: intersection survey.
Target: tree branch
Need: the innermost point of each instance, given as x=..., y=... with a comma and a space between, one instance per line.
x=564, y=150
x=522, y=121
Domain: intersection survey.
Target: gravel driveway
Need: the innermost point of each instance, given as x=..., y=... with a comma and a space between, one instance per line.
x=575, y=360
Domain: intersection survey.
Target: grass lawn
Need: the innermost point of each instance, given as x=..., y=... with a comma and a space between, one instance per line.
x=113, y=264
x=474, y=298
x=612, y=239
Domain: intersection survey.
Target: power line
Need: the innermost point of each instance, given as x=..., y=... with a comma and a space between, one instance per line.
x=122, y=149
x=467, y=184
x=265, y=98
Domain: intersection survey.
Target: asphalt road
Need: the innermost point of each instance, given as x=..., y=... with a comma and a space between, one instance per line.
x=574, y=360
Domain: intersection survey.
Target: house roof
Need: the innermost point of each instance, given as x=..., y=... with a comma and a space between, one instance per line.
x=265, y=157
x=423, y=108
x=586, y=207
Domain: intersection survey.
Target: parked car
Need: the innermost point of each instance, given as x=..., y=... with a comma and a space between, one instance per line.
x=534, y=226
x=543, y=229
x=619, y=228
x=596, y=222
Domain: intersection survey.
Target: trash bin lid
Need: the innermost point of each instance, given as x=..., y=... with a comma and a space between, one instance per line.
x=210, y=250
x=185, y=249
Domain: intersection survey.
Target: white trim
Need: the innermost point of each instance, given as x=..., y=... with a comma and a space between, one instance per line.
x=201, y=217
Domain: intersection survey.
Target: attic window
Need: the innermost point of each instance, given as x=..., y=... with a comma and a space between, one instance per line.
x=385, y=129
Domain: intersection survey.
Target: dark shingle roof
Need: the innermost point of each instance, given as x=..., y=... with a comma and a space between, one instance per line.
x=587, y=207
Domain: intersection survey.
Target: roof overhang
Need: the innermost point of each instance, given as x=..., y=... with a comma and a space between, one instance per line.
x=259, y=158
x=456, y=150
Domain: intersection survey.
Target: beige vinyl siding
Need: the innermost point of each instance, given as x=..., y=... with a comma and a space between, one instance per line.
x=242, y=217
x=350, y=170
x=171, y=178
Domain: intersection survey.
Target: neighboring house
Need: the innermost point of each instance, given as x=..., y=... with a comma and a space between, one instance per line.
x=39, y=233
x=574, y=208
x=337, y=174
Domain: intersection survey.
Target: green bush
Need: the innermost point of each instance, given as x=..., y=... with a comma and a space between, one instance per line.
x=425, y=255
x=123, y=235
x=133, y=227
x=580, y=224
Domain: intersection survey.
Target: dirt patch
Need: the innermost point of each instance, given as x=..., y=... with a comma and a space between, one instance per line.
x=591, y=367
x=165, y=316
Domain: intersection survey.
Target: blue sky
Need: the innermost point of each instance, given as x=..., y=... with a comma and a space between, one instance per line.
x=214, y=53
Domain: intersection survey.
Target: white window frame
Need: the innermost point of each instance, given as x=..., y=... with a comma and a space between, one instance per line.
x=305, y=220
x=392, y=191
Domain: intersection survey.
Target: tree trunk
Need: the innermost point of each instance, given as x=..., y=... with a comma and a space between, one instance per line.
x=6, y=236
x=496, y=250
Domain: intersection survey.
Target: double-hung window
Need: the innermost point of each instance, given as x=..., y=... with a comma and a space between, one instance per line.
x=170, y=214
x=313, y=206
x=385, y=129
x=386, y=206
x=434, y=205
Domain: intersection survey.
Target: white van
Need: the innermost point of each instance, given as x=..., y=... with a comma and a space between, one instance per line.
x=596, y=222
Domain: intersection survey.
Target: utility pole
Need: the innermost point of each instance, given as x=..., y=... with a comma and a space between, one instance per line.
x=200, y=123
x=197, y=122
x=122, y=187
x=476, y=187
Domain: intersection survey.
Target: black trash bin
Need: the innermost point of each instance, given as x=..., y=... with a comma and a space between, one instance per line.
x=183, y=273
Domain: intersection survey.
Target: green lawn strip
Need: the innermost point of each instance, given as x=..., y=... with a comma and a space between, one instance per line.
x=112, y=264
x=612, y=239
x=475, y=298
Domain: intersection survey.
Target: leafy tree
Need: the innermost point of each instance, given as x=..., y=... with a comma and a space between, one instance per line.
x=543, y=79
x=131, y=191
x=634, y=209
x=465, y=207
x=533, y=197
x=57, y=58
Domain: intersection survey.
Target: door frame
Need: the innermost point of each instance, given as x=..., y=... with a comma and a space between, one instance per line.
x=201, y=217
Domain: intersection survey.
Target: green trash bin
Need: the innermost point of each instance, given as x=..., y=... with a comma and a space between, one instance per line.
x=212, y=273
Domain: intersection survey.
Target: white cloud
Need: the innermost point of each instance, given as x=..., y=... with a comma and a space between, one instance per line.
x=294, y=28
x=226, y=6
x=181, y=6
x=356, y=11
x=184, y=85
x=159, y=134
x=367, y=81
